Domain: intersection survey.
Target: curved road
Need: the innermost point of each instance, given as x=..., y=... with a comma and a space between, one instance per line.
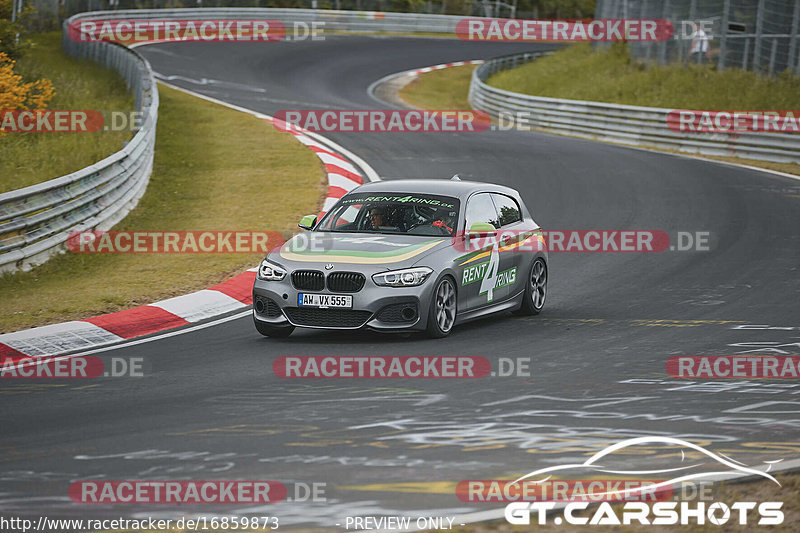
x=211, y=408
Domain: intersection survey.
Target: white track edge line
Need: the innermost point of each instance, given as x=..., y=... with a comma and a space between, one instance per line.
x=370, y=173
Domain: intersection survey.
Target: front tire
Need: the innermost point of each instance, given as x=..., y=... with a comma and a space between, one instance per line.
x=268, y=330
x=442, y=311
x=535, y=289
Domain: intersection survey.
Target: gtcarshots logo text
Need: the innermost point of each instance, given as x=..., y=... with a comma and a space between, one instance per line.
x=657, y=514
x=696, y=464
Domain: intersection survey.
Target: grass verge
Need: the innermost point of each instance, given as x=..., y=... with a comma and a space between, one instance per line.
x=439, y=89
x=448, y=89
x=611, y=75
x=215, y=169
x=30, y=158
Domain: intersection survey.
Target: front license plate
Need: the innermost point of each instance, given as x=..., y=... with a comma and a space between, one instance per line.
x=322, y=301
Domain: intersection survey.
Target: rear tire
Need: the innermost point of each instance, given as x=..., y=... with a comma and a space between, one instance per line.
x=442, y=310
x=535, y=289
x=268, y=330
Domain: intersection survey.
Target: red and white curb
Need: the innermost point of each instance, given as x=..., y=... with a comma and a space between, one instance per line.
x=445, y=65
x=55, y=339
x=407, y=76
x=232, y=295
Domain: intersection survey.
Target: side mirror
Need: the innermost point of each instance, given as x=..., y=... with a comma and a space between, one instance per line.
x=481, y=228
x=307, y=222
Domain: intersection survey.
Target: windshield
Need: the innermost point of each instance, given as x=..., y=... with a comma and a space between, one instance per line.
x=410, y=214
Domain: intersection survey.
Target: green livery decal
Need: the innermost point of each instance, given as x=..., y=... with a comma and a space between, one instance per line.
x=477, y=272
x=400, y=253
x=487, y=273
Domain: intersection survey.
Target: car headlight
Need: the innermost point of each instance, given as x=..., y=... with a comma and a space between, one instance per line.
x=408, y=277
x=270, y=271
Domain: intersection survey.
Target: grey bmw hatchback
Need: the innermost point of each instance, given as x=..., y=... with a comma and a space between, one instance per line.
x=403, y=255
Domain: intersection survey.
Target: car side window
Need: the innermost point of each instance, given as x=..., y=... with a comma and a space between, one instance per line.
x=507, y=209
x=480, y=208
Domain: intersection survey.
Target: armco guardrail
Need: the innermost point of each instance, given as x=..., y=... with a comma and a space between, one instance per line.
x=639, y=126
x=35, y=221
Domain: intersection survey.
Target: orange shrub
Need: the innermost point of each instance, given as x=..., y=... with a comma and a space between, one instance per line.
x=16, y=94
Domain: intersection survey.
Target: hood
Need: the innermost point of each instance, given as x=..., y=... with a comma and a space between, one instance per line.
x=393, y=251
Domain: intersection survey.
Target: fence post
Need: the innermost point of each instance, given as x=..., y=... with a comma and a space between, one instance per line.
x=642, y=15
x=772, y=55
x=746, y=53
x=662, y=46
x=793, y=39
x=759, y=36
x=723, y=36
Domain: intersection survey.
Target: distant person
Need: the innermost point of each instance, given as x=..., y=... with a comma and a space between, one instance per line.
x=699, y=49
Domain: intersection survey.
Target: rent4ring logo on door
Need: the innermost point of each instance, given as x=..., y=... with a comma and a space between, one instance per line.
x=488, y=275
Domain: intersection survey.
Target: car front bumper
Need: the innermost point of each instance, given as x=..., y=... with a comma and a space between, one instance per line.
x=374, y=307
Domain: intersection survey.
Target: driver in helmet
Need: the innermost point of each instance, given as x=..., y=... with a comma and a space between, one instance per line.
x=376, y=217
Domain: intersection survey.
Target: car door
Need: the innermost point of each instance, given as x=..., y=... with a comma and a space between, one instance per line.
x=482, y=262
x=510, y=234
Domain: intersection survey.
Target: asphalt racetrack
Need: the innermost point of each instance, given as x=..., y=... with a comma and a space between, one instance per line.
x=210, y=406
